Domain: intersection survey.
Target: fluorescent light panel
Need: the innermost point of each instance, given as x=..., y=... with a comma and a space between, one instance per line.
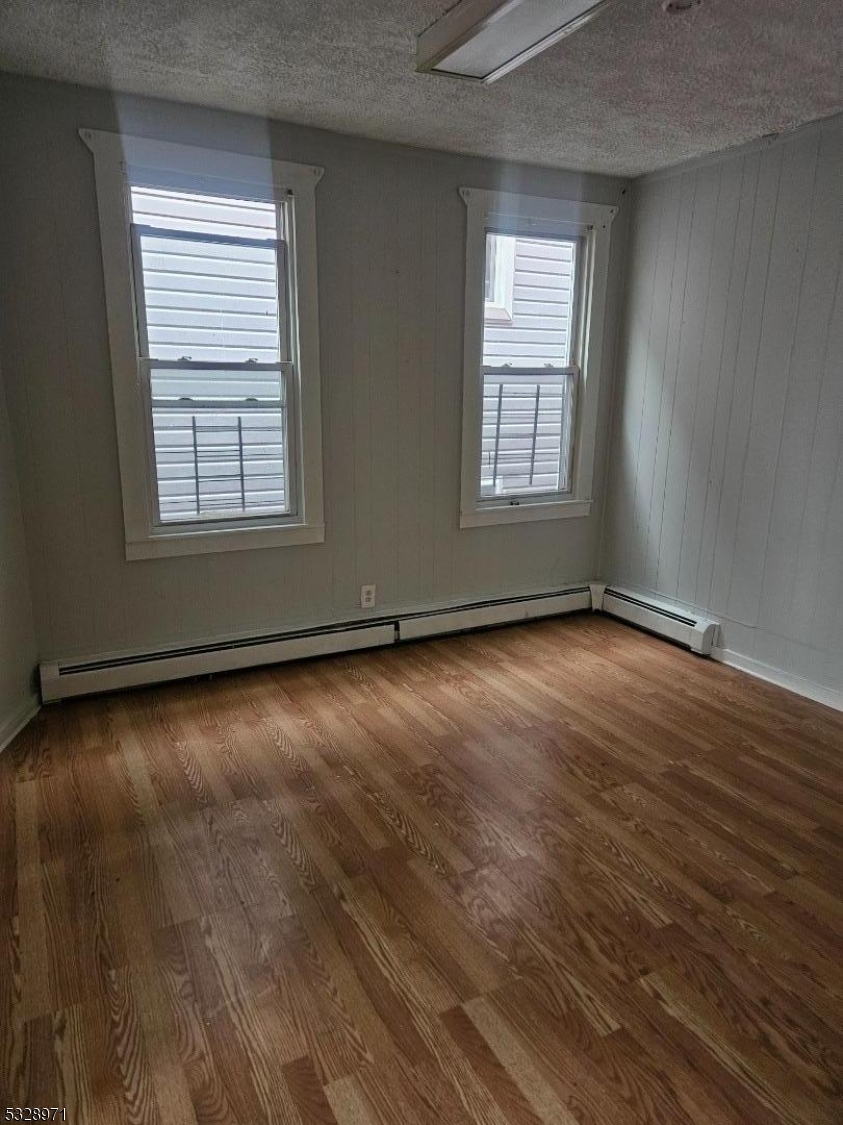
x=481, y=40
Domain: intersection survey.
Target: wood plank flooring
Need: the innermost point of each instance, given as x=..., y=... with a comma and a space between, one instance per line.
x=561, y=872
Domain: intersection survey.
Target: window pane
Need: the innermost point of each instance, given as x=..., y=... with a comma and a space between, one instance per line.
x=209, y=385
x=206, y=214
x=527, y=420
x=210, y=301
x=540, y=330
x=219, y=464
x=220, y=442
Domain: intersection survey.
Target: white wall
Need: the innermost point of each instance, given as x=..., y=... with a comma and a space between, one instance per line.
x=391, y=260
x=17, y=634
x=726, y=467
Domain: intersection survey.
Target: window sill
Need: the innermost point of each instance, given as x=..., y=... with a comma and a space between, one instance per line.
x=524, y=513
x=497, y=314
x=200, y=542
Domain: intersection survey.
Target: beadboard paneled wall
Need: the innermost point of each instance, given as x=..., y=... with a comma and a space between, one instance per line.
x=17, y=633
x=726, y=469
x=391, y=230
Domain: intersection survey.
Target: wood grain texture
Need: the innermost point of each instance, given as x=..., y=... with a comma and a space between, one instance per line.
x=551, y=874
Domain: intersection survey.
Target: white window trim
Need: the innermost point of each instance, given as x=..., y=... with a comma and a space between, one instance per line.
x=118, y=159
x=533, y=216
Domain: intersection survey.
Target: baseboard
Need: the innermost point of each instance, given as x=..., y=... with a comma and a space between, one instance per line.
x=64, y=679
x=702, y=632
x=806, y=688
x=13, y=724
x=110, y=672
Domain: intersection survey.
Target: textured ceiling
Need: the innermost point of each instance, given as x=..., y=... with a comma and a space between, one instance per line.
x=635, y=90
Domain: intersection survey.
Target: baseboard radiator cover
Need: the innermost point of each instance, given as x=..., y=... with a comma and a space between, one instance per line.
x=666, y=619
x=64, y=679
x=461, y=619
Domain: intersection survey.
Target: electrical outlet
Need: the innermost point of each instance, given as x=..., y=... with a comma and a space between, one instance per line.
x=368, y=596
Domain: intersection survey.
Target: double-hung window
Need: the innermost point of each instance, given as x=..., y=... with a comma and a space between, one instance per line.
x=210, y=277
x=210, y=282
x=535, y=294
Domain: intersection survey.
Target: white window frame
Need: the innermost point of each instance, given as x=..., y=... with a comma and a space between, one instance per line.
x=534, y=217
x=120, y=161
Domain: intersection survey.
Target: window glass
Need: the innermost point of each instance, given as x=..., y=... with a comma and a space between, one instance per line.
x=528, y=377
x=210, y=278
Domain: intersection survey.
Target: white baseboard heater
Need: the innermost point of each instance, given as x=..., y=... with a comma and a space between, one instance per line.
x=657, y=616
x=460, y=619
x=63, y=679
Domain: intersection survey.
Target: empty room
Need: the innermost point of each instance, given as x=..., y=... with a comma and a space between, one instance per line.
x=421, y=562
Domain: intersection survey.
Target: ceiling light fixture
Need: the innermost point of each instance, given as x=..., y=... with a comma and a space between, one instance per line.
x=481, y=40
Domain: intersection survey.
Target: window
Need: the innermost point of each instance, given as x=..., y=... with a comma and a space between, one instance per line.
x=535, y=292
x=529, y=376
x=213, y=333
x=214, y=342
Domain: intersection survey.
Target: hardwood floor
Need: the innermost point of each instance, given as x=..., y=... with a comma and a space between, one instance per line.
x=560, y=872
